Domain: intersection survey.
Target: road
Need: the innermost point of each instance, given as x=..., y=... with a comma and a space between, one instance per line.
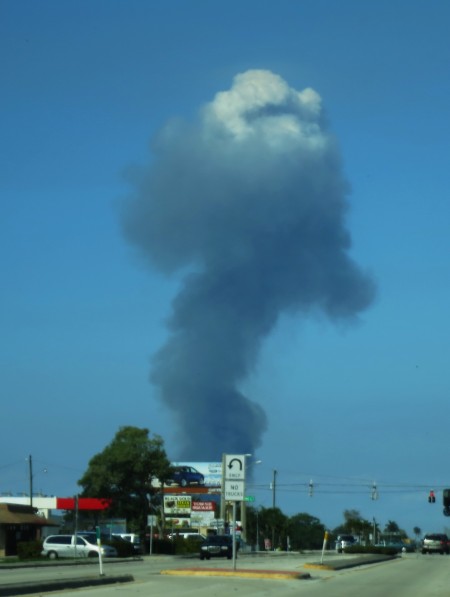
x=412, y=574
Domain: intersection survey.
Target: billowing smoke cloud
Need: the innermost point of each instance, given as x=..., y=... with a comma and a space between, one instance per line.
x=250, y=201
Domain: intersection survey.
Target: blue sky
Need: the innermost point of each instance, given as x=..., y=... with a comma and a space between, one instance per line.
x=86, y=88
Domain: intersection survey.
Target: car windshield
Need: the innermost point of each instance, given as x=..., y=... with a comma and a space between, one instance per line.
x=219, y=540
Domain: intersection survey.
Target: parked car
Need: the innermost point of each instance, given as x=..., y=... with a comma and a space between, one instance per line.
x=75, y=546
x=344, y=541
x=409, y=546
x=186, y=535
x=435, y=543
x=217, y=546
x=399, y=545
x=132, y=538
x=186, y=475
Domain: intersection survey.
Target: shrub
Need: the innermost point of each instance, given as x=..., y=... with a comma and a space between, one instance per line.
x=29, y=550
x=124, y=548
x=387, y=551
x=159, y=546
x=188, y=545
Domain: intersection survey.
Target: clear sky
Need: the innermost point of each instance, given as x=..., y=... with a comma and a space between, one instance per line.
x=115, y=147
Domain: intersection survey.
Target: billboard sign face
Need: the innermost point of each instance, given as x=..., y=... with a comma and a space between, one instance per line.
x=203, y=474
x=192, y=476
x=178, y=523
x=203, y=506
x=202, y=519
x=177, y=505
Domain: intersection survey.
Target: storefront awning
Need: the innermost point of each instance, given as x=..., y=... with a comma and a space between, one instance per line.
x=15, y=514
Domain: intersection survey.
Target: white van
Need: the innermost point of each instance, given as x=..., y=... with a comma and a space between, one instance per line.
x=75, y=546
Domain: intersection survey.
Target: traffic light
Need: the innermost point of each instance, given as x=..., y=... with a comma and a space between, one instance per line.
x=432, y=497
x=374, y=494
x=446, y=501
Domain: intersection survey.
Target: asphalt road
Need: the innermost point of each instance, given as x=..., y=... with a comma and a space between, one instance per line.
x=409, y=575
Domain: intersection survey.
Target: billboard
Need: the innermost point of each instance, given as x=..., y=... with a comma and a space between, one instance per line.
x=206, y=474
x=203, y=506
x=193, y=476
x=177, y=505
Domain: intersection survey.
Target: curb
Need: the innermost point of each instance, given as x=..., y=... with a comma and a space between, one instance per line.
x=267, y=574
x=343, y=564
x=10, y=590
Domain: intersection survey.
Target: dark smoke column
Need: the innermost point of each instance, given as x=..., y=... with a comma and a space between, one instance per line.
x=250, y=200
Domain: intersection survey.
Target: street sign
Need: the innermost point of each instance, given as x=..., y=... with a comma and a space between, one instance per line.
x=234, y=490
x=235, y=466
x=217, y=522
x=249, y=498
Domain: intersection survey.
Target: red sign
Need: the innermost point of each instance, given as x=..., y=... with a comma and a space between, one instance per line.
x=192, y=490
x=83, y=503
x=203, y=506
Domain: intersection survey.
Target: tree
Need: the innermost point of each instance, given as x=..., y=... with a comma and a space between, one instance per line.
x=391, y=527
x=305, y=532
x=351, y=516
x=124, y=472
x=273, y=525
x=253, y=531
x=355, y=525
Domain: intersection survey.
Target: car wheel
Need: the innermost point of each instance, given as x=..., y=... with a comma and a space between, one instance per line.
x=424, y=551
x=92, y=554
x=183, y=482
x=202, y=557
x=52, y=555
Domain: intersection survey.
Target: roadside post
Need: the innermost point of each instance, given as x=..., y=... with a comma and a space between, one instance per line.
x=325, y=541
x=234, y=476
x=151, y=521
x=99, y=543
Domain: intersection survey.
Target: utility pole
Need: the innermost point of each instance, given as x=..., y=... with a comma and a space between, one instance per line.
x=30, y=468
x=274, y=485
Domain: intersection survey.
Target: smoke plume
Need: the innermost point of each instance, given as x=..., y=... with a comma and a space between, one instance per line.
x=250, y=202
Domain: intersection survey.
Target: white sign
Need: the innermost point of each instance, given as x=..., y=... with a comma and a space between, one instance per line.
x=177, y=504
x=234, y=490
x=202, y=519
x=234, y=466
x=217, y=522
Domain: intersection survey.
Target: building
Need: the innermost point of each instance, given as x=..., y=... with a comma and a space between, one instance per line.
x=19, y=523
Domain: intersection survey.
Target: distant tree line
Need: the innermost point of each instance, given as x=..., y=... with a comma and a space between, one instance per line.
x=124, y=472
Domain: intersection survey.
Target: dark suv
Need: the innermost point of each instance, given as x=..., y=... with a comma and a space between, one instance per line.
x=186, y=475
x=435, y=543
x=217, y=546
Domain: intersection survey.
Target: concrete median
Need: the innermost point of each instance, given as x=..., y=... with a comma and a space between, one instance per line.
x=28, y=588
